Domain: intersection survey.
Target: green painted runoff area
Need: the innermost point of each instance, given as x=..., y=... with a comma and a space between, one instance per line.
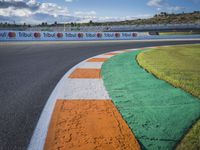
x=178, y=65
x=158, y=113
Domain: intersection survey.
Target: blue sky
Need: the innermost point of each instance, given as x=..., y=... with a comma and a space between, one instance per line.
x=37, y=11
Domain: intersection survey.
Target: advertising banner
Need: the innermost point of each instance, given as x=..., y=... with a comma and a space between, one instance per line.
x=68, y=36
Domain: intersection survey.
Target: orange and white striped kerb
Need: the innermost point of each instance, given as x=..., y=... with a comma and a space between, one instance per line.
x=83, y=115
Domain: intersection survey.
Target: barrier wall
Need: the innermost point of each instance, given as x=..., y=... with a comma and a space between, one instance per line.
x=67, y=36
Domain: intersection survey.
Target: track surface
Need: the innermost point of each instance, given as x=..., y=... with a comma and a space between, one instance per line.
x=29, y=73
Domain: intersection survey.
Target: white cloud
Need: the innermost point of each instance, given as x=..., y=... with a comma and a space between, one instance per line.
x=32, y=2
x=85, y=13
x=175, y=8
x=14, y=0
x=30, y=7
x=11, y=11
x=53, y=9
x=68, y=0
x=156, y=3
x=163, y=5
x=32, y=11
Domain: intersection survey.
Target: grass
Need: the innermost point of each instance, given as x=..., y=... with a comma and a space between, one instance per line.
x=180, y=66
x=191, y=141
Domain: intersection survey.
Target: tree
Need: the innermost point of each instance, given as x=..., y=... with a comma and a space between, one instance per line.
x=91, y=22
x=163, y=14
x=72, y=24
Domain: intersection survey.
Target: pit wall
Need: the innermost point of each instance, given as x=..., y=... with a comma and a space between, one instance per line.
x=68, y=36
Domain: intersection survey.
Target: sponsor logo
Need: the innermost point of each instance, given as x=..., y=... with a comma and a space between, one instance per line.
x=49, y=35
x=109, y=34
x=37, y=35
x=25, y=34
x=90, y=35
x=99, y=35
x=59, y=35
x=11, y=34
x=134, y=34
x=126, y=34
x=117, y=35
x=80, y=35
x=70, y=35
x=2, y=34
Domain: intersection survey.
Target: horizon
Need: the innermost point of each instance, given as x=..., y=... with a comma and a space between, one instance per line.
x=82, y=11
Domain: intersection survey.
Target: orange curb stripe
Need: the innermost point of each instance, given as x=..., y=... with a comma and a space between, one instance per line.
x=86, y=73
x=111, y=53
x=97, y=60
x=88, y=125
x=127, y=50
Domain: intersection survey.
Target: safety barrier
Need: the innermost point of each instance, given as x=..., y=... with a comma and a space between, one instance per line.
x=68, y=36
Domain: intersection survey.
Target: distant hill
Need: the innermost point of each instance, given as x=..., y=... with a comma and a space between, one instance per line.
x=162, y=18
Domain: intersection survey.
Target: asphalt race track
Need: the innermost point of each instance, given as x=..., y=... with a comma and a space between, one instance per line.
x=28, y=75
